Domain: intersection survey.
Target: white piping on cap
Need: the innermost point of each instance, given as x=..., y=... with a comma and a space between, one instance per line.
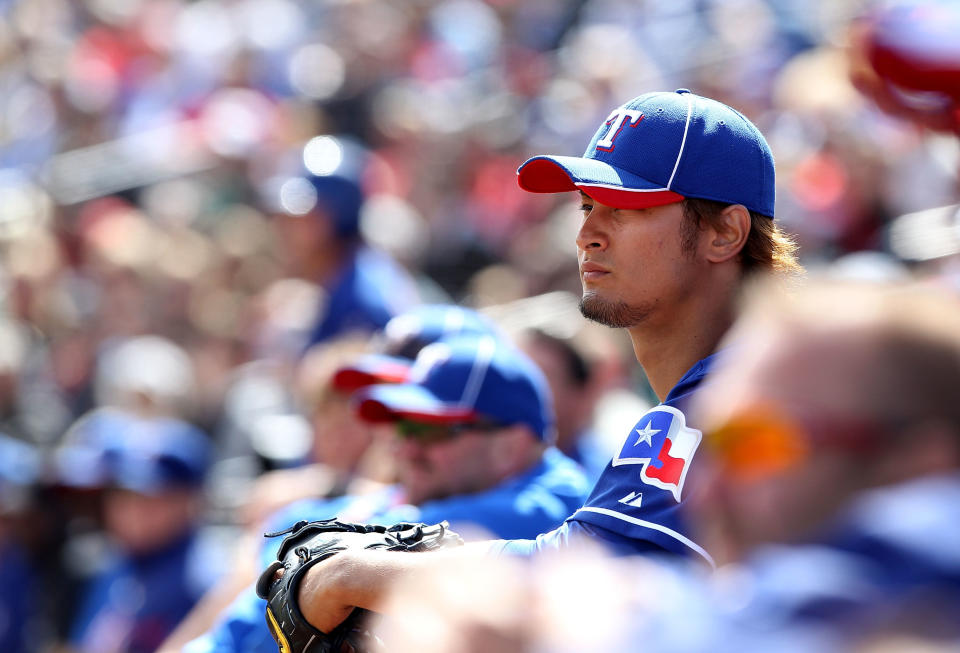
x=615, y=187
x=485, y=350
x=683, y=143
x=453, y=323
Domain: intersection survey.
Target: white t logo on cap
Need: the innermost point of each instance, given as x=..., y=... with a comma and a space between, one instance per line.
x=615, y=120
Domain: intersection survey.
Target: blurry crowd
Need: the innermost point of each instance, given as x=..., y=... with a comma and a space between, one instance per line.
x=180, y=283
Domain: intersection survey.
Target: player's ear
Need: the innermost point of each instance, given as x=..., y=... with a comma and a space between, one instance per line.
x=728, y=233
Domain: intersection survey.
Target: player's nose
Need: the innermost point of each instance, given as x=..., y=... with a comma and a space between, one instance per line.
x=592, y=235
x=406, y=448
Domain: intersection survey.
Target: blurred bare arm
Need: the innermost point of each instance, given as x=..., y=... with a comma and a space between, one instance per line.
x=279, y=488
x=205, y=613
x=331, y=589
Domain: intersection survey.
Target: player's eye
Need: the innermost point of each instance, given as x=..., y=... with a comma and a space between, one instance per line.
x=586, y=208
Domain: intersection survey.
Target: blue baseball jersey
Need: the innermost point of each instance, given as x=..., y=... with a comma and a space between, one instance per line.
x=523, y=506
x=371, y=289
x=636, y=505
x=592, y=453
x=136, y=602
x=18, y=598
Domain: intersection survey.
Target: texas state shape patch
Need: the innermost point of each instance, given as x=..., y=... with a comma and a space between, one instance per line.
x=663, y=444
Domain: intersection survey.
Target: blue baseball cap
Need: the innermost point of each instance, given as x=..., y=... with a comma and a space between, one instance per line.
x=463, y=380
x=330, y=178
x=660, y=148
x=406, y=334
x=82, y=460
x=146, y=455
x=156, y=455
x=402, y=339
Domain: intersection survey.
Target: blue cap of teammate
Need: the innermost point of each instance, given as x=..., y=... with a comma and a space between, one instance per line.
x=464, y=380
x=146, y=455
x=660, y=148
x=403, y=338
x=156, y=455
x=330, y=179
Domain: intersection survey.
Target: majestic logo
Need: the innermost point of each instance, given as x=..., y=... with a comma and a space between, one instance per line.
x=663, y=445
x=616, y=121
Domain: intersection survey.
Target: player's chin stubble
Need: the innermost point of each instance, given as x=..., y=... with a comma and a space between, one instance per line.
x=617, y=315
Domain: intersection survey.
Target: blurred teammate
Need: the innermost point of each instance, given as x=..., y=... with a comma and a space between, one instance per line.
x=677, y=195
x=160, y=565
x=348, y=457
x=904, y=55
x=318, y=221
x=576, y=385
x=474, y=428
x=345, y=452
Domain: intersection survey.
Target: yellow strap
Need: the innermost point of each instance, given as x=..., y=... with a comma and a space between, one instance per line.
x=277, y=633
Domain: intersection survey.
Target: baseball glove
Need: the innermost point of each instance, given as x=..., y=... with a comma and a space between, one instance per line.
x=306, y=544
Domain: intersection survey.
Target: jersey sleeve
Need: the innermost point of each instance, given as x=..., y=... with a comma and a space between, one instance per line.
x=522, y=507
x=569, y=534
x=241, y=628
x=640, y=496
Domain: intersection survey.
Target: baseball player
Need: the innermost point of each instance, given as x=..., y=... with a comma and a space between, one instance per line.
x=474, y=432
x=677, y=194
x=317, y=217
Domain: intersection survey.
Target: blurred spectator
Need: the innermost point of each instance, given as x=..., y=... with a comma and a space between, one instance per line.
x=339, y=441
x=154, y=469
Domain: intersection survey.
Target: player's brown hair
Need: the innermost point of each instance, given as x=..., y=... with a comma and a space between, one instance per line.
x=768, y=248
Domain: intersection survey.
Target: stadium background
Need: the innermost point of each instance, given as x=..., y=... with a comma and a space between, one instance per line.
x=137, y=146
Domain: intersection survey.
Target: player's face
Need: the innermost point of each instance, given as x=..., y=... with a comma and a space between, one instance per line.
x=436, y=465
x=633, y=265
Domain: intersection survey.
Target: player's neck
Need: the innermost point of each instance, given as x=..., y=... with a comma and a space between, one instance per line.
x=667, y=349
